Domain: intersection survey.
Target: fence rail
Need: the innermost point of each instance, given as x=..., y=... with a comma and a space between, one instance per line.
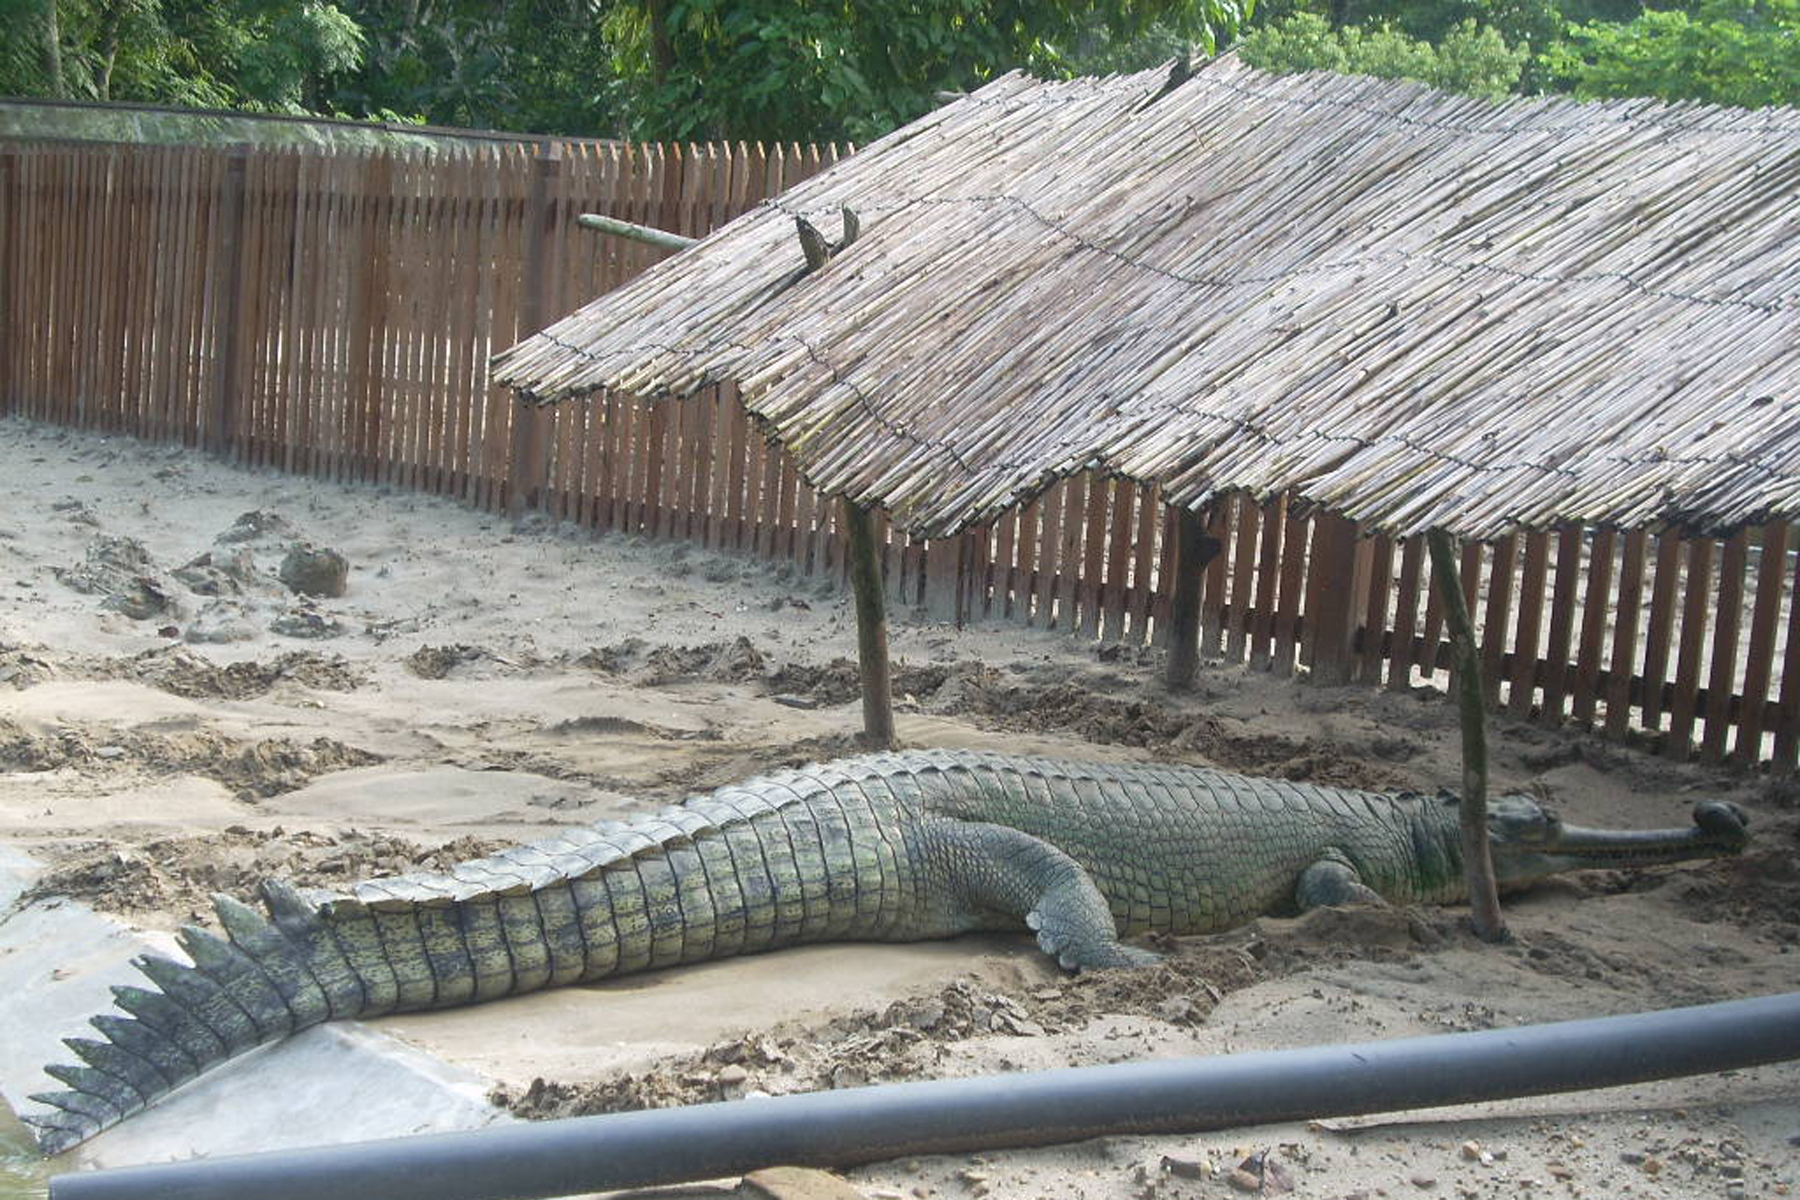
x=333, y=315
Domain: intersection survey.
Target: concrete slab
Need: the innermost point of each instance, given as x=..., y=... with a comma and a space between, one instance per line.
x=337, y=1083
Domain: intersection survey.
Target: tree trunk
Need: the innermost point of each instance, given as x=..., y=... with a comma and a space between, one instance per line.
x=871, y=629
x=1478, y=861
x=53, y=52
x=662, y=46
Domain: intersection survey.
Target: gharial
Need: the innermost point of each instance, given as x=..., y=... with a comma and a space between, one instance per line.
x=895, y=847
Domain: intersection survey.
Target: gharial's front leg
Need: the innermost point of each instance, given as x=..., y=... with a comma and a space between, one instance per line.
x=1333, y=881
x=994, y=869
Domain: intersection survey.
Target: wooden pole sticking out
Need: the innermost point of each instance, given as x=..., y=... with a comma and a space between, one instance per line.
x=871, y=629
x=638, y=233
x=1193, y=551
x=1478, y=862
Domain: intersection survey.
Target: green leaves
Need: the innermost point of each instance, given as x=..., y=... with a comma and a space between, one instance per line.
x=1472, y=59
x=795, y=70
x=1726, y=52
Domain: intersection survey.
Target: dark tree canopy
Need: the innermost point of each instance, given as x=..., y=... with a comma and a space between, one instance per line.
x=798, y=70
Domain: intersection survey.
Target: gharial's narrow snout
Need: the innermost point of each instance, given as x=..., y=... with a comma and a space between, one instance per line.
x=1720, y=828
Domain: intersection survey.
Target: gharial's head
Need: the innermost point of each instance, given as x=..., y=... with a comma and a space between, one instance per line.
x=1529, y=841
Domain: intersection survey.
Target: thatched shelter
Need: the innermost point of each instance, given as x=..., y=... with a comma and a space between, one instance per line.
x=1423, y=311
x=1429, y=314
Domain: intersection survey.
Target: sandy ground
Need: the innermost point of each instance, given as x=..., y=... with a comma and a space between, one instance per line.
x=173, y=725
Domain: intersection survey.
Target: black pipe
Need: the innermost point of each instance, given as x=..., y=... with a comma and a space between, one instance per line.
x=857, y=1125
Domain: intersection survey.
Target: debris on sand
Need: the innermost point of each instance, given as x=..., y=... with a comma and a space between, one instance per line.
x=121, y=570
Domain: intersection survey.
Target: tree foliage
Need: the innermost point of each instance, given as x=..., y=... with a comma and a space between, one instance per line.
x=784, y=70
x=814, y=70
x=1724, y=52
x=1471, y=58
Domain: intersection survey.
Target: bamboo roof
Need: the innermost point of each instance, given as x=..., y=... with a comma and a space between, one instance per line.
x=1414, y=308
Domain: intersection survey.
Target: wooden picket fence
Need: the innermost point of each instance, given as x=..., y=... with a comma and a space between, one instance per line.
x=333, y=315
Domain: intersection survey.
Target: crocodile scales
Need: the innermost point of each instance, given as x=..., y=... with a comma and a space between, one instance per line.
x=896, y=847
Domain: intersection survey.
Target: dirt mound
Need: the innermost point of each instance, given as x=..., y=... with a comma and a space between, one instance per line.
x=252, y=770
x=840, y=681
x=180, y=671
x=737, y=661
x=178, y=876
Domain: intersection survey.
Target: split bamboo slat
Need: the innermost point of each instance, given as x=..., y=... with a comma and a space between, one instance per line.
x=1243, y=579
x=1596, y=602
x=1765, y=620
x=1659, y=633
x=1292, y=586
x=1378, y=594
x=1496, y=614
x=1727, y=623
x=1522, y=692
x=1558, y=660
x=1696, y=608
x=1214, y=610
x=1160, y=612
x=1406, y=625
x=1622, y=665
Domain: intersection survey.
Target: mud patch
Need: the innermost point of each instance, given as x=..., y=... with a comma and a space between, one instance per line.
x=176, y=877
x=251, y=770
x=905, y=1040
x=181, y=672
x=20, y=668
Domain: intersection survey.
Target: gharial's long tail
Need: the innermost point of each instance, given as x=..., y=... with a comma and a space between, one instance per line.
x=490, y=927
x=580, y=905
x=274, y=977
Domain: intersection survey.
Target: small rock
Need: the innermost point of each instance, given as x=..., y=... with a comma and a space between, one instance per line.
x=796, y=701
x=306, y=624
x=1471, y=1151
x=1422, y=1181
x=140, y=599
x=1187, y=1168
x=1179, y=1010
x=927, y=1014
x=252, y=525
x=221, y=621
x=315, y=570
x=1244, y=1181
x=110, y=752
x=1017, y=1026
x=796, y=1183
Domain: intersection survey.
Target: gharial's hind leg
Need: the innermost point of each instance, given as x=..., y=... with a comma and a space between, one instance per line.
x=1333, y=881
x=992, y=868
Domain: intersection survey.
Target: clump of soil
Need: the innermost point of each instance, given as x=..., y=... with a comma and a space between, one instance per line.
x=437, y=662
x=120, y=570
x=181, y=672
x=20, y=668
x=252, y=770
x=178, y=875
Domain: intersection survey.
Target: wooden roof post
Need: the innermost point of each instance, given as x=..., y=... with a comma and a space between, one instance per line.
x=871, y=629
x=528, y=470
x=1478, y=862
x=1194, y=549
